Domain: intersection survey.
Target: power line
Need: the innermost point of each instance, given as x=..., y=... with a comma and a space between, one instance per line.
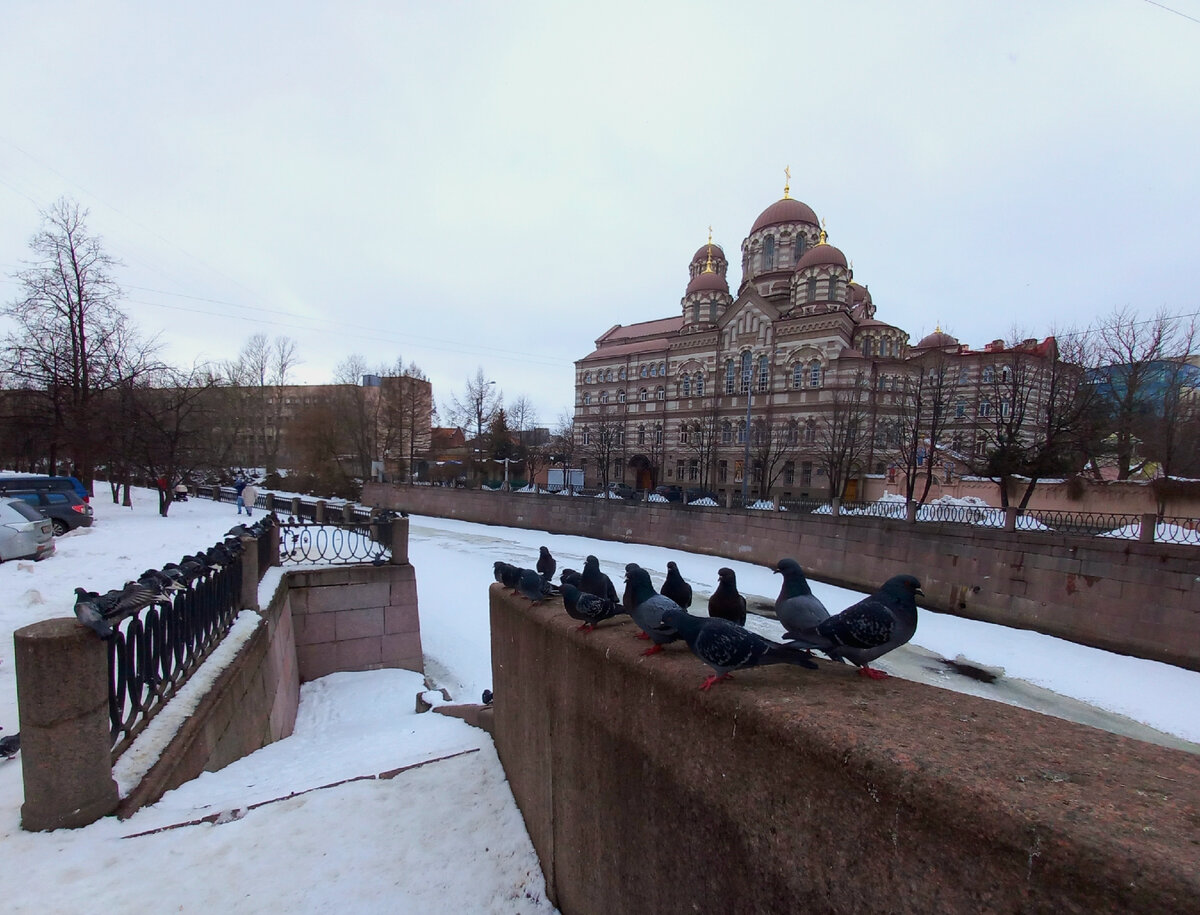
x=1163, y=6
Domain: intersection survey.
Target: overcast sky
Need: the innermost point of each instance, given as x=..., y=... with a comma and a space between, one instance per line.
x=497, y=184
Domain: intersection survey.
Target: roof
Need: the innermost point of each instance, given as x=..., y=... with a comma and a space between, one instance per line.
x=624, y=332
x=783, y=211
x=709, y=248
x=936, y=340
x=822, y=255
x=707, y=282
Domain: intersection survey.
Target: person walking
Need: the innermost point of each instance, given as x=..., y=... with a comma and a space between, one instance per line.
x=249, y=496
x=239, y=486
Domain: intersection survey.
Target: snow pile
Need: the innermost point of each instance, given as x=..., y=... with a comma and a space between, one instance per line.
x=655, y=497
x=706, y=502
x=1163, y=533
x=764, y=505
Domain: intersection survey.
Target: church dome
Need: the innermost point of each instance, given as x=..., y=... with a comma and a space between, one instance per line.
x=701, y=256
x=707, y=282
x=822, y=255
x=936, y=340
x=782, y=211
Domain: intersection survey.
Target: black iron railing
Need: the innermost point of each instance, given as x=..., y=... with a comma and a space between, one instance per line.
x=363, y=539
x=153, y=652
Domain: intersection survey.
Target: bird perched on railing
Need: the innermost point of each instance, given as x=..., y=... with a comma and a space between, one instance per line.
x=593, y=581
x=726, y=603
x=507, y=574
x=676, y=588
x=726, y=646
x=871, y=628
x=10, y=745
x=648, y=609
x=546, y=565
x=88, y=613
x=797, y=607
x=534, y=587
x=588, y=609
x=162, y=580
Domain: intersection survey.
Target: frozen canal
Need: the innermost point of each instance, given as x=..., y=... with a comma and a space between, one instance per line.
x=1138, y=698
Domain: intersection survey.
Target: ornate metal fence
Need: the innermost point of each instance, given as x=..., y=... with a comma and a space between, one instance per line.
x=365, y=538
x=154, y=651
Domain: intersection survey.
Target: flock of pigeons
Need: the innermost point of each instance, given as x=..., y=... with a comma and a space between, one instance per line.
x=859, y=634
x=100, y=611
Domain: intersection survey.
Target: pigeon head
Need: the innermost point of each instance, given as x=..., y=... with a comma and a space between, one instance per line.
x=903, y=588
x=591, y=562
x=671, y=565
x=542, y=551
x=793, y=577
x=569, y=577
x=639, y=580
x=725, y=574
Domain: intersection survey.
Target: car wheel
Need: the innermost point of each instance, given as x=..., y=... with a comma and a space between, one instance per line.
x=60, y=527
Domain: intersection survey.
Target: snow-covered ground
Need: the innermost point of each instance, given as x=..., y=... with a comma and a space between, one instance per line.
x=445, y=836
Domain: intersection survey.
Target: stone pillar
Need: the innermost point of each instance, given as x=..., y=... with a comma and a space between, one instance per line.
x=250, y=574
x=216, y=493
x=1149, y=523
x=729, y=498
x=270, y=500
x=295, y=512
x=910, y=511
x=348, y=512
x=836, y=507
x=275, y=534
x=1010, y=519
x=66, y=745
x=319, y=512
x=399, y=541
x=775, y=503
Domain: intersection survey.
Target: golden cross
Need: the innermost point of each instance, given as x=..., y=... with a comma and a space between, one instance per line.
x=787, y=183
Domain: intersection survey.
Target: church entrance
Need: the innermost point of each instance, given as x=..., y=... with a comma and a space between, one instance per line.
x=643, y=472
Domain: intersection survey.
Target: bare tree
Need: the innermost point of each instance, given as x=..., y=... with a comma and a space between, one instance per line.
x=257, y=378
x=69, y=331
x=522, y=417
x=602, y=439
x=475, y=408
x=703, y=437
x=927, y=391
x=841, y=437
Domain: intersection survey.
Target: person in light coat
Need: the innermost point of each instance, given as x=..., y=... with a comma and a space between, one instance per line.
x=247, y=498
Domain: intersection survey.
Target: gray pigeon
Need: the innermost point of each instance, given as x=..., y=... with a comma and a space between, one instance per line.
x=546, y=564
x=10, y=745
x=726, y=603
x=871, y=628
x=89, y=614
x=588, y=608
x=593, y=581
x=797, y=607
x=649, y=607
x=676, y=588
x=726, y=646
x=535, y=588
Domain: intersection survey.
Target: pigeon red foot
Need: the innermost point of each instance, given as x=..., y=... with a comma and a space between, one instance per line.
x=653, y=649
x=872, y=673
x=713, y=678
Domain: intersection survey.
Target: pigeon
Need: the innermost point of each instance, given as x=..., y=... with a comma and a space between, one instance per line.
x=588, y=608
x=871, y=628
x=240, y=530
x=535, y=588
x=676, y=588
x=10, y=745
x=89, y=614
x=507, y=574
x=797, y=607
x=593, y=581
x=726, y=603
x=726, y=646
x=569, y=577
x=649, y=607
x=153, y=578
x=546, y=564
x=487, y=697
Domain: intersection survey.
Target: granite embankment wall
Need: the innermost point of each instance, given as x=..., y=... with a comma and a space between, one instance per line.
x=1134, y=598
x=792, y=790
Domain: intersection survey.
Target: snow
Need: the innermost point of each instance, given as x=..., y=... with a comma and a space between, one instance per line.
x=1164, y=532
x=706, y=502
x=442, y=837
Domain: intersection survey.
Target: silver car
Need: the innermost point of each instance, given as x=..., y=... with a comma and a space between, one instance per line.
x=24, y=533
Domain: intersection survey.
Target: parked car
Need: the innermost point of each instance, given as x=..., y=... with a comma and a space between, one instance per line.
x=622, y=490
x=65, y=510
x=24, y=533
x=670, y=493
x=38, y=483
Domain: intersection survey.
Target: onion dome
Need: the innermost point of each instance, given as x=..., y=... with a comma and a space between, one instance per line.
x=822, y=255
x=706, y=250
x=707, y=282
x=785, y=210
x=936, y=340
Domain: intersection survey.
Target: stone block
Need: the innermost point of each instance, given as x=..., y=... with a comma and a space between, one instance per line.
x=359, y=654
x=402, y=619
x=348, y=596
x=316, y=661
x=358, y=624
x=400, y=646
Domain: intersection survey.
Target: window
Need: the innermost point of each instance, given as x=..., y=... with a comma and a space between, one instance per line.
x=658, y=433
x=868, y=346
x=757, y=471
x=654, y=371
x=660, y=393
x=764, y=373
x=604, y=397
x=1005, y=408
x=662, y=368
x=587, y=377
x=587, y=398
x=810, y=431
x=1006, y=374
x=814, y=374
x=985, y=406
x=833, y=289
x=616, y=469
x=769, y=253
x=793, y=434
x=621, y=396
x=683, y=433
x=806, y=473
x=812, y=289
x=799, y=248
x=641, y=435
x=698, y=384
x=956, y=441
x=885, y=347
x=608, y=374
x=741, y=432
x=722, y=471
x=729, y=374
x=679, y=470
x=693, y=470
x=726, y=433
x=685, y=386
x=789, y=473
x=960, y=408
x=695, y=312
x=645, y=372
x=882, y=378
x=621, y=436
x=797, y=375
x=989, y=374
x=621, y=374
x=744, y=385
x=642, y=394
x=587, y=436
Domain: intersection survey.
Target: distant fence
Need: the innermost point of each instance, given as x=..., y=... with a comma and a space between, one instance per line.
x=1146, y=528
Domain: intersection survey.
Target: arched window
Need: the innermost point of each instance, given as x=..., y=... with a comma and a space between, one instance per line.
x=698, y=384
x=833, y=289
x=608, y=374
x=814, y=374
x=744, y=380
x=645, y=372
x=604, y=397
x=729, y=376
x=658, y=433
x=798, y=375
x=793, y=433
x=621, y=374
x=812, y=289
x=685, y=386
x=662, y=368
x=660, y=393
x=769, y=253
x=642, y=394
x=989, y=374
x=1006, y=374
x=799, y=247
x=587, y=377
x=587, y=398
x=587, y=435
x=641, y=434
x=985, y=406
x=695, y=312
x=727, y=433
x=654, y=371
x=810, y=431
x=868, y=346
x=621, y=396
x=683, y=433
x=741, y=432
x=764, y=373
